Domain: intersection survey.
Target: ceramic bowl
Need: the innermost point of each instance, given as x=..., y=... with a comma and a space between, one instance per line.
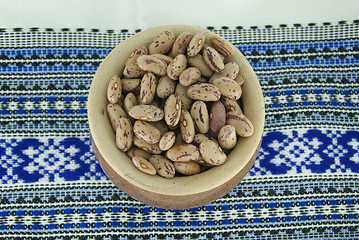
x=183, y=191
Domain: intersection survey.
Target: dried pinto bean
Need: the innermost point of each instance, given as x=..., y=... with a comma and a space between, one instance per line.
x=201, y=109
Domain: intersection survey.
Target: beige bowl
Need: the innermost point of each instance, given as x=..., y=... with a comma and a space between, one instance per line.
x=179, y=192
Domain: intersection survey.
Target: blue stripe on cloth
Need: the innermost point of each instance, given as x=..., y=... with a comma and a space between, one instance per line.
x=304, y=45
x=282, y=152
x=256, y=206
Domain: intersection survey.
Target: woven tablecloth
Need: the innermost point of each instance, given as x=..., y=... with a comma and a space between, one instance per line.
x=304, y=183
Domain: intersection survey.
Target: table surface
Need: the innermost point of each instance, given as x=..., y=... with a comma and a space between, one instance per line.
x=303, y=184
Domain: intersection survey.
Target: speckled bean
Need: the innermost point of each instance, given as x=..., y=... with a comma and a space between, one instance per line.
x=198, y=62
x=115, y=112
x=146, y=132
x=153, y=64
x=204, y=92
x=143, y=165
x=200, y=116
x=187, y=168
x=165, y=87
x=202, y=162
x=148, y=88
x=217, y=116
x=131, y=85
x=212, y=152
x=172, y=110
x=124, y=134
x=162, y=43
x=135, y=151
x=231, y=105
x=227, y=137
x=231, y=70
x=114, y=89
x=161, y=126
x=200, y=137
x=181, y=43
x=146, y=112
x=176, y=67
x=142, y=50
x=163, y=166
x=196, y=44
x=222, y=45
x=228, y=87
x=130, y=101
x=151, y=148
x=183, y=152
x=187, y=126
x=182, y=93
x=241, y=123
x=213, y=59
x=167, y=141
x=165, y=58
x=133, y=71
x=189, y=76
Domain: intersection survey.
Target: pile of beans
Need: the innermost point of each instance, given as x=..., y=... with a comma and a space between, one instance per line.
x=176, y=105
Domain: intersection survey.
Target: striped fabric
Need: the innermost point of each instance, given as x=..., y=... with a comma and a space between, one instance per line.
x=303, y=184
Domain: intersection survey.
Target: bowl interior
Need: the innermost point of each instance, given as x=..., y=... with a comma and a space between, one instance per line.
x=104, y=137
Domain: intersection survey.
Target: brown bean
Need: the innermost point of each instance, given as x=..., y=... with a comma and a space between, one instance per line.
x=217, y=117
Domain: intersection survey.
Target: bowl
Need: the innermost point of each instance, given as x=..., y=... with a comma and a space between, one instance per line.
x=180, y=192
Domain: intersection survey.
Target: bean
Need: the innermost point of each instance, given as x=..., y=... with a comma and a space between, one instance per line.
x=124, y=134
x=163, y=166
x=183, y=152
x=187, y=126
x=181, y=43
x=146, y=132
x=162, y=43
x=148, y=88
x=172, y=110
x=187, y=168
x=212, y=153
x=152, y=64
x=114, y=89
x=142, y=50
x=143, y=165
x=176, y=67
x=177, y=104
x=115, y=112
x=213, y=59
x=167, y=141
x=241, y=123
x=204, y=92
x=146, y=113
x=227, y=137
x=200, y=116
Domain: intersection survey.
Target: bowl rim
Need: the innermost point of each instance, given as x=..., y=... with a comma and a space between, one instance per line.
x=142, y=186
